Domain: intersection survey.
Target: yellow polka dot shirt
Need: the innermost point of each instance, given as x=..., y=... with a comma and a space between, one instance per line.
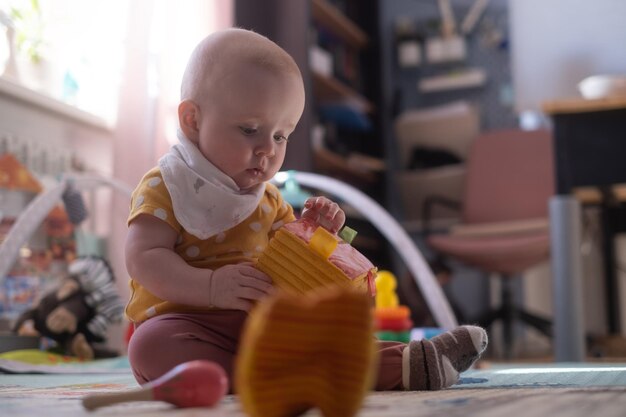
x=242, y=243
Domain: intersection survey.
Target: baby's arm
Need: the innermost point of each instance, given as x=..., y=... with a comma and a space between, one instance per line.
x=324, y=212
x=152, y=261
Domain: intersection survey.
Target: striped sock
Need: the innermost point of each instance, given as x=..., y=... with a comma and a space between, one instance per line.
x=301, y=352
x=436, y=363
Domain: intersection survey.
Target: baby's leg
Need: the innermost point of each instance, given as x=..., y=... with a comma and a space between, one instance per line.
x=430, y=364
x=164, y=341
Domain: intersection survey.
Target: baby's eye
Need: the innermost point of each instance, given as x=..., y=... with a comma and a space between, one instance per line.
x=281, y=138
x=247, y=130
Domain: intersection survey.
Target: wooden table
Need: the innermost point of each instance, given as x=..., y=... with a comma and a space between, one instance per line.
x=590, y=150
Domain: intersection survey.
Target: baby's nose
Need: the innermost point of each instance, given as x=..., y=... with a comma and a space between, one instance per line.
x=265, y=146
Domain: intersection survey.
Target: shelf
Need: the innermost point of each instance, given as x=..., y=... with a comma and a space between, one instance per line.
x=593, y=195
x=340, y=103
x=334, y=20
x=50, y=104
x=331, y=90
x=583, y=105
x=470, y=78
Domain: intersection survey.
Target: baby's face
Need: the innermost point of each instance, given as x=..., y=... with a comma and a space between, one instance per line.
x=246, y=120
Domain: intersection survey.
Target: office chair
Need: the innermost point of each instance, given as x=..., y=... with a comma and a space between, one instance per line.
x=504, y=212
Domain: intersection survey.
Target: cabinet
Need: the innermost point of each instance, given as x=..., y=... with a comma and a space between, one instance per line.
x=345, y=140
x=344, y=80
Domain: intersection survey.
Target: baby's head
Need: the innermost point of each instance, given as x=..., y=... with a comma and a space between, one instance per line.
x=241, y=97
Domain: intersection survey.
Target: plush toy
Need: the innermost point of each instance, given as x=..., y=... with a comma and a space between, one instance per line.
x=77, y=314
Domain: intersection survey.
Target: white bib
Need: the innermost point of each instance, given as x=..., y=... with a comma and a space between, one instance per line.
x=206, y=201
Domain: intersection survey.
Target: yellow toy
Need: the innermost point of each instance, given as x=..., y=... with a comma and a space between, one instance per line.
x=392, y=320
x=302, y=257
x=386, y=290
x=307, y=352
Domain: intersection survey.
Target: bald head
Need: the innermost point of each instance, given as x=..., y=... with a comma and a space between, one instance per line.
x=220, y=53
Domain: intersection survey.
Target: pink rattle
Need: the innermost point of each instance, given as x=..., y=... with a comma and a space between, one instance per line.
x=197, y=383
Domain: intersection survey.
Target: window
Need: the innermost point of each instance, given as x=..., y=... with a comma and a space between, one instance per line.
x=71, y=50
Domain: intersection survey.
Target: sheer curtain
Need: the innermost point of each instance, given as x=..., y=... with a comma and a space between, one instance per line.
x=160, y=36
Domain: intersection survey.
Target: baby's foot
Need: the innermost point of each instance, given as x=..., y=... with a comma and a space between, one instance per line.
x=301, y=352
x=436, y=363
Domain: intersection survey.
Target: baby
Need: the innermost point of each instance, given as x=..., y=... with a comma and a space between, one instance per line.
x=201, y=218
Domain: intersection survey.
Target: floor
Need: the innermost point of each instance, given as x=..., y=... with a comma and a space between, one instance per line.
x=573, y=390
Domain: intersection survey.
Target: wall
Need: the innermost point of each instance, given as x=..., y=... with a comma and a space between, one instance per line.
x=558, y=43
x=483, y=50
x=91, y=144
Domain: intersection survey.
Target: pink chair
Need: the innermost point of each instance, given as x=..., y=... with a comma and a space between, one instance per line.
x=505, y=229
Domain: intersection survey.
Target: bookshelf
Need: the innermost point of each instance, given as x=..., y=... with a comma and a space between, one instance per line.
x=330, y=90
x=332, y=18
x=339, y=83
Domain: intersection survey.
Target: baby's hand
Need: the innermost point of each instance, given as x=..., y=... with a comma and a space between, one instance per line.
x=324, y=212
x=238, y=286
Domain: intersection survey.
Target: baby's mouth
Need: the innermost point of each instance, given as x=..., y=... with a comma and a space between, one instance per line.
x=256, y=171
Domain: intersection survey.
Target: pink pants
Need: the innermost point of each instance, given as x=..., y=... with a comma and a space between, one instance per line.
x=164, y=341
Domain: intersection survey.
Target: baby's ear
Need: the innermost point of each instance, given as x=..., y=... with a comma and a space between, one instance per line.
x=188, y=116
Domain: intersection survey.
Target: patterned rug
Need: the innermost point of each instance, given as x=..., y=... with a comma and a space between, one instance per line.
x=575, y=390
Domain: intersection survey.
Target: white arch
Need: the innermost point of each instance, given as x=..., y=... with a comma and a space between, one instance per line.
x=395, y=234
x=38, y=209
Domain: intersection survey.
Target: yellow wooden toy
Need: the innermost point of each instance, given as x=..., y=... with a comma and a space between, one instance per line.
x=386, y=290
x=304, y=264
x=308, y=352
